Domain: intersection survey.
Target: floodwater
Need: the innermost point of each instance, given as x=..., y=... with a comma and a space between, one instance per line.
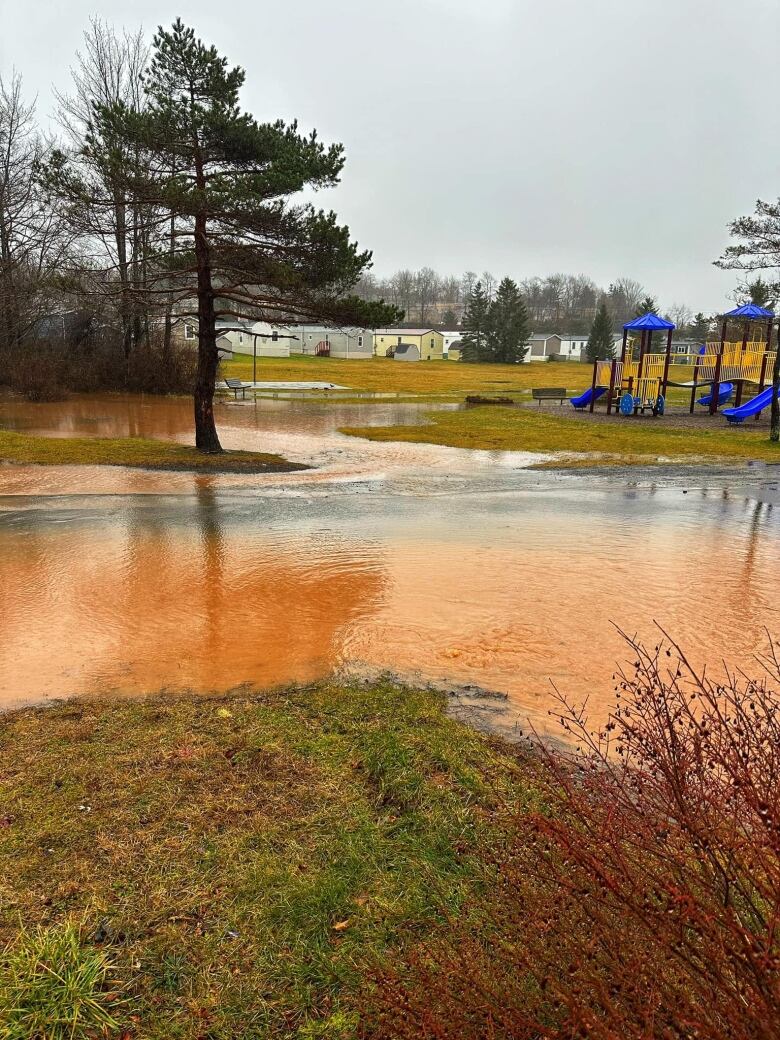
x=453, y=566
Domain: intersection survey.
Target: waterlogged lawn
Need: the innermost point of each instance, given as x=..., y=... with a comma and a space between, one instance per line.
x=132, y=451
x=239, y=863
x=621, y=440
x=415, y=378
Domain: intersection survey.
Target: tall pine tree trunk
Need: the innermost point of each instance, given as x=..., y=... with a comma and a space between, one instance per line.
x=206, y=439
x=774, y=422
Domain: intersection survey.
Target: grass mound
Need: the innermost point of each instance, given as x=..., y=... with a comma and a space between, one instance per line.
x=133, y=451
x=523, y=429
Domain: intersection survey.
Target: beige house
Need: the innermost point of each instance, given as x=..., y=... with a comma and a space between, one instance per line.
x=428, y=343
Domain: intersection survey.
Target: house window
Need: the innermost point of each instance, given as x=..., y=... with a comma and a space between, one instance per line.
x=189, y=332
x=399, y=341
x=241, y=337
x=431, y=344
x=360, y=341
x=274, y=335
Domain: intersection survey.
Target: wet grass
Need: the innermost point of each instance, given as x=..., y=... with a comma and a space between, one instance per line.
x=242, y=862
x=133, y=451
x=423, y=378
x=621, y=441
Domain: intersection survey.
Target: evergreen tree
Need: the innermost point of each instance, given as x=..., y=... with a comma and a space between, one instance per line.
x=761, y=293
x=508, y=327
x=229, y=241
x=646, y=306
x=701, y=328
x=601, y=342
x=475, y=325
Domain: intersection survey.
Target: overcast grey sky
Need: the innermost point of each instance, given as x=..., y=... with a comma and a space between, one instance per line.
x=610, y=137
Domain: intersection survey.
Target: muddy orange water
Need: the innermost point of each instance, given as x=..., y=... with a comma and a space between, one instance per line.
x=450, y=565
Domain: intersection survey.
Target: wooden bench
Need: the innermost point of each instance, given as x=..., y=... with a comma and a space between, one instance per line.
x=548, y=393
x=235, y=385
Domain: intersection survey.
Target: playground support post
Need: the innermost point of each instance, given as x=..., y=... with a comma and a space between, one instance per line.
x=610, y=394
x=667, y=362
x=593, y=386
x=695, y=384
x=623, y=348
x=715, y=393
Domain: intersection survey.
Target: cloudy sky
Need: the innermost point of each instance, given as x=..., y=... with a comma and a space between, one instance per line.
x=610, y=137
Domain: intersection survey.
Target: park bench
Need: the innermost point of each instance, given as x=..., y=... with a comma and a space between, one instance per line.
x=235, y=385
x=548, y=393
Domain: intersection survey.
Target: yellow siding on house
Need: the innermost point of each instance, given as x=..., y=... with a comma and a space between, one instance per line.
x=430, y=344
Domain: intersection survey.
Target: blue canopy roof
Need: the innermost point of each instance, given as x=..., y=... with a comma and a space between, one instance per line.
x=749, y=310
x=649, y=321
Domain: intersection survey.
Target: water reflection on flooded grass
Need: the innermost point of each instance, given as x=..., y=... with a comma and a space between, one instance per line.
x=451, y=565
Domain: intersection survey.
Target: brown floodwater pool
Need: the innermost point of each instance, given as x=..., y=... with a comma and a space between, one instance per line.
x=449, y=565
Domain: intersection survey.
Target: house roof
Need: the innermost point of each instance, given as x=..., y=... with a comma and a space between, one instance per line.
x=405, y=332
x=649, y=321
x=749, y=310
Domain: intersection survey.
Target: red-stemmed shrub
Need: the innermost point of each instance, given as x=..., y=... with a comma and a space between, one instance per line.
x=641, y=895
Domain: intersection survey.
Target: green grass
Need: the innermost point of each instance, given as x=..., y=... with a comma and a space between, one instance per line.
x=53, y=987
x=246, y=860
x=132, y=451
x=619, y=441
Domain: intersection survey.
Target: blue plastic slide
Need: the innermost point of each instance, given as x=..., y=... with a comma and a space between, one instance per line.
x=725, y=391
x=753, y=407
x=585, y=399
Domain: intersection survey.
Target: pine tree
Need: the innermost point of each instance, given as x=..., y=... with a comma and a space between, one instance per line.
x=601, y=342
x=646, y=306
x=229, y=243
x=475, y=324
x=508, y=327
x=701, y=328
x=761, y=293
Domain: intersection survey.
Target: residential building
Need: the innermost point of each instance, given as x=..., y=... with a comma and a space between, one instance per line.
x=186, y=331
x=429, y=342
x=247, y=337
x=350, y=343
x=551, y=344
x=450, y=336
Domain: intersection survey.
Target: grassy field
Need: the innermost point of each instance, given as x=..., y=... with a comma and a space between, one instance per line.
x=426, y=378
x=620, y=441
x=132, y=451
x=236, y=864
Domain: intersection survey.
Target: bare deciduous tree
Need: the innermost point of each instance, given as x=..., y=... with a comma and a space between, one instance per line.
x=31, y=240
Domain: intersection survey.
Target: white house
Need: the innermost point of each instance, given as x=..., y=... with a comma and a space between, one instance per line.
x=271, y=340
x=546, y=344
x=450, y=337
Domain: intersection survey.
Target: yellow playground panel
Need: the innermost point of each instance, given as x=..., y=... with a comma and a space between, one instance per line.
x=648, y=376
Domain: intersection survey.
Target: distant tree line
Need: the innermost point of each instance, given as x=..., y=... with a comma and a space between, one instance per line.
x=561, y=303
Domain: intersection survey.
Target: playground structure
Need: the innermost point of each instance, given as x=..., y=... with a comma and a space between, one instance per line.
x=640, y=380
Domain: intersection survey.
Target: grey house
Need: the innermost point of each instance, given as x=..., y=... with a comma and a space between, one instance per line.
x=338, y=343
